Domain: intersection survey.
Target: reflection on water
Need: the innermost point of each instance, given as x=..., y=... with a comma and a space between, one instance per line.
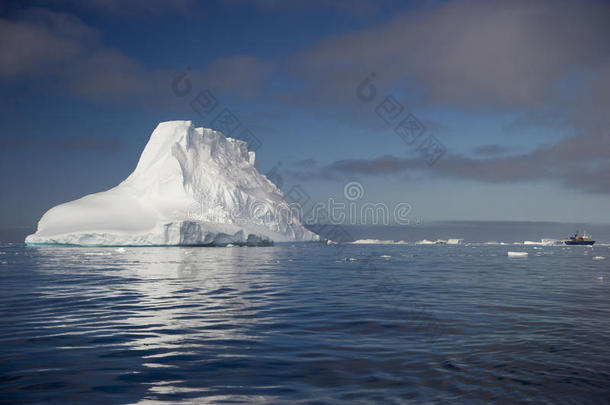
x=386, y=324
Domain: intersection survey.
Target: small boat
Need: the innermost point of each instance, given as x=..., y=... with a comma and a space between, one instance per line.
x=579, y=240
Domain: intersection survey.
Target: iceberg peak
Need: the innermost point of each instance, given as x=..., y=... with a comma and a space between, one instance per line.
x=191, y=186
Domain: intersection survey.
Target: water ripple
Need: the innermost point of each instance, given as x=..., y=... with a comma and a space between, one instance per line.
x=296, y=324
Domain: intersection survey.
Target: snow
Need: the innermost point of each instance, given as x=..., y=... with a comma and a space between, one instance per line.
x=191, y=186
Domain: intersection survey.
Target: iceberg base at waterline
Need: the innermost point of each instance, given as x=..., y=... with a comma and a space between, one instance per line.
x=184, y=233
x=192, y=187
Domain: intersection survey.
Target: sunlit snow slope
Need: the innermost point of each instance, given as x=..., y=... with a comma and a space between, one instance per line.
x=192, y=186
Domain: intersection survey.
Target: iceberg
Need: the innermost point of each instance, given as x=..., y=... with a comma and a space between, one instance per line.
x=191, y=186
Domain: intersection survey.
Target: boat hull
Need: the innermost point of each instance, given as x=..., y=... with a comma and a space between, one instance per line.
x=579, y=242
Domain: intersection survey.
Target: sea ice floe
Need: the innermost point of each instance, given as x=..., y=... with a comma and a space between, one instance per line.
x=425, y=242
x=517, y=254
x=378, y=242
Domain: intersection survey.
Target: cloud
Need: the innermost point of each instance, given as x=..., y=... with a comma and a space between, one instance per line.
x=42, y=41
x=493, y=150
x=579, y=162
x=545, y=60
x=62, y=49
x=240, y=74
x=381, y=165
x=108, y=74
x=507, y=54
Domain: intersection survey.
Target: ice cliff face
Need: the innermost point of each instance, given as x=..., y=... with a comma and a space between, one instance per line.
x=192, y=186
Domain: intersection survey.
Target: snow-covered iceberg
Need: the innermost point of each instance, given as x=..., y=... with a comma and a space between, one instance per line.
x=192, y=186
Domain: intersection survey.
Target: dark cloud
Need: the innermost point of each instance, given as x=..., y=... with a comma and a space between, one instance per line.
x=47, y=44
x=493, y=150
x=108, y=74
x=510, y=54
x=111, y=75
x=381, y=165
x=61, y=47
x=548, y=61
x=579, y=162
x=240, y=74
x=42, y=42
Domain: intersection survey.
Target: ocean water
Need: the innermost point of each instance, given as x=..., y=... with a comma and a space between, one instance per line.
x=305, y=323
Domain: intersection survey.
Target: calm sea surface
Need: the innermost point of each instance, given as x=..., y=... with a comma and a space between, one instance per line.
x=362, y=324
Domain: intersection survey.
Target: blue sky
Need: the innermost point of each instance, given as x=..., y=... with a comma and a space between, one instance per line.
x=515, y=93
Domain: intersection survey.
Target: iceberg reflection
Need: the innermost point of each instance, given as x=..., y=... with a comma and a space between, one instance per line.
x=164, y=317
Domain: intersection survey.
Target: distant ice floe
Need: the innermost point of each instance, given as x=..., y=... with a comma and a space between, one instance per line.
x=425, y=242
x=453, y=241
x=379, y=242
x=544, y=242
x=460, y=241
x=541, y=242
x=517, y=254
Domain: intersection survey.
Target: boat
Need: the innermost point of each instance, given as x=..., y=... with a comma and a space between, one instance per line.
x=579, y=240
